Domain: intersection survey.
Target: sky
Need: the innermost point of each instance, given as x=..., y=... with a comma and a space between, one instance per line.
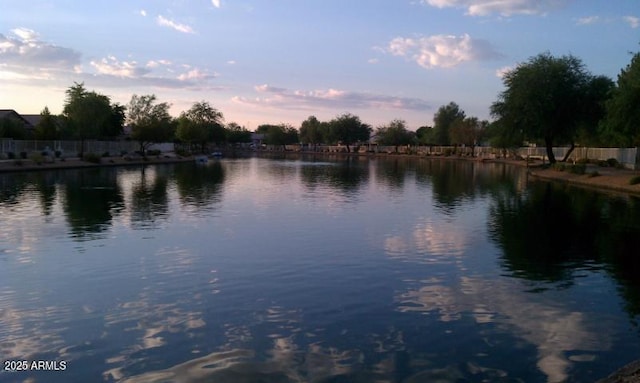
x=281, y=61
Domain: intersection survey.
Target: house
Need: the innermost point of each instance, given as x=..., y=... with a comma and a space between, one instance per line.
x=12, y=114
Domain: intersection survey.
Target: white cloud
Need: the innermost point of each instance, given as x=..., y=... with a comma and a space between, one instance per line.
x=195, y=74
x=157, y=63
x=216, y=3
x=633, y=21
x=162, y=21
x=503, y=71
x=372, y=61
x=588, y=20
x=143, y=13
x=231, y=62
x=25, y=53
x=501, y=7
x=111, y=66
x=442, y=51
x=328, y=98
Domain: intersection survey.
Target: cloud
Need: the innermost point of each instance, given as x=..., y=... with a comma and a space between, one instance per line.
x=111, y=66
x=162, y=21
x=216, y=3
x=195, y=74
x=25, y=53
x=443, y=51
x=143, y=13
x=503, y=71
x=329, y=99
x=501, y=7
x=588, y=20
x=633, y=21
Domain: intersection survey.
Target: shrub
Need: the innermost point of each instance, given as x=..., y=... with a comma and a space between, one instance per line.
x=612, y=162
x=594, y=174
x=105, y=154
x=18, y=162
x=23, y=155
x=578, y=168
x=154, y=152
x=92, y=157
x=36, y=157
x=634, y=180
x=11, y=155
x=58, y=153
x=559, y=166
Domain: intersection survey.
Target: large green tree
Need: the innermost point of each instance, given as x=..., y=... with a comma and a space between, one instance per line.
x=200, y=125
x=545, y=99
x=394, y=134
x=347, y=129
x=237, y=134
x=444, y=118
x=622, y=123
x=312, y=131
x=467, y=131
x=47, y=127
x=282, y=134
x=91, y=115
x=150, y=121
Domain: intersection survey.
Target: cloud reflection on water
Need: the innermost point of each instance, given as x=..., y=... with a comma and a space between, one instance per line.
x=553, y=329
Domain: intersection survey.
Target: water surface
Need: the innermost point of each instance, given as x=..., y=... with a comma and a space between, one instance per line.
x=315, y=270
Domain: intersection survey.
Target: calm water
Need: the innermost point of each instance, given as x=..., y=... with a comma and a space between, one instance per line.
x=352, y=270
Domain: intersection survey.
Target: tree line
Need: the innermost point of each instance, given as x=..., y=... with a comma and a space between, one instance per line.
x=546, y=100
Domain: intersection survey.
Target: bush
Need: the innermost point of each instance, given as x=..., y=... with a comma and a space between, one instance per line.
x=105, y=154
x=594, y=174
x=11, y=155
x=154, y=152
x=92, y=157
x=612, y=162
x=559, y=166
x=58, y=153
x=577, y=168
x=36, y=157
x=23, y=155
x=634, y=180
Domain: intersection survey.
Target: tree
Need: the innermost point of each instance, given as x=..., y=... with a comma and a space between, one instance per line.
x=347, y=129
x=442, y=121
x=282, y=134
x=426, y=135
x=237, y=134
x=91, y=114
x=200, y=125
x=150, y=121
x=312, y=131
x=544, y=98
x=394, y=134
x=503, y=138
x=47, y=127
x=622, y=121
x=467, y=132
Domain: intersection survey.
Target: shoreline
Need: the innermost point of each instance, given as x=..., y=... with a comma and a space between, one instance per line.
x=607, y=178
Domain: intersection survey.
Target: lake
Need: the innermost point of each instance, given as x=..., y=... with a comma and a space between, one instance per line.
x=314, y=269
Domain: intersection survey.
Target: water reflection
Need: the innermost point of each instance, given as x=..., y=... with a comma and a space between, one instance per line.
x=92, y=198
x=149, y=198
x=315, y=270
x=200, y=187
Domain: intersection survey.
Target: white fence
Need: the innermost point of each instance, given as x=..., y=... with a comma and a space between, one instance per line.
x=72, y=148
x=627, y=157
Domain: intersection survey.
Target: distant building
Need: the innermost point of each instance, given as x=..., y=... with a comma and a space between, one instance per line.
x=12, y=114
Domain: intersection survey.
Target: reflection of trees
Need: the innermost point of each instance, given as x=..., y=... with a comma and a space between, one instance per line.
x=92, y=198
x=12, y=187
x=454, y=181
x=548, y=232
x=346, y=176
x=392, y=171
x=198, y=185
x=46, y=185
x=149, y=199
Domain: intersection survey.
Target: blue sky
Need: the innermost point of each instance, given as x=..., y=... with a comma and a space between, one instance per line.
x=280, y=61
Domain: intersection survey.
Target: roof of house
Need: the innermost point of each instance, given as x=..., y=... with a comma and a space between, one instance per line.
x=30, y=120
